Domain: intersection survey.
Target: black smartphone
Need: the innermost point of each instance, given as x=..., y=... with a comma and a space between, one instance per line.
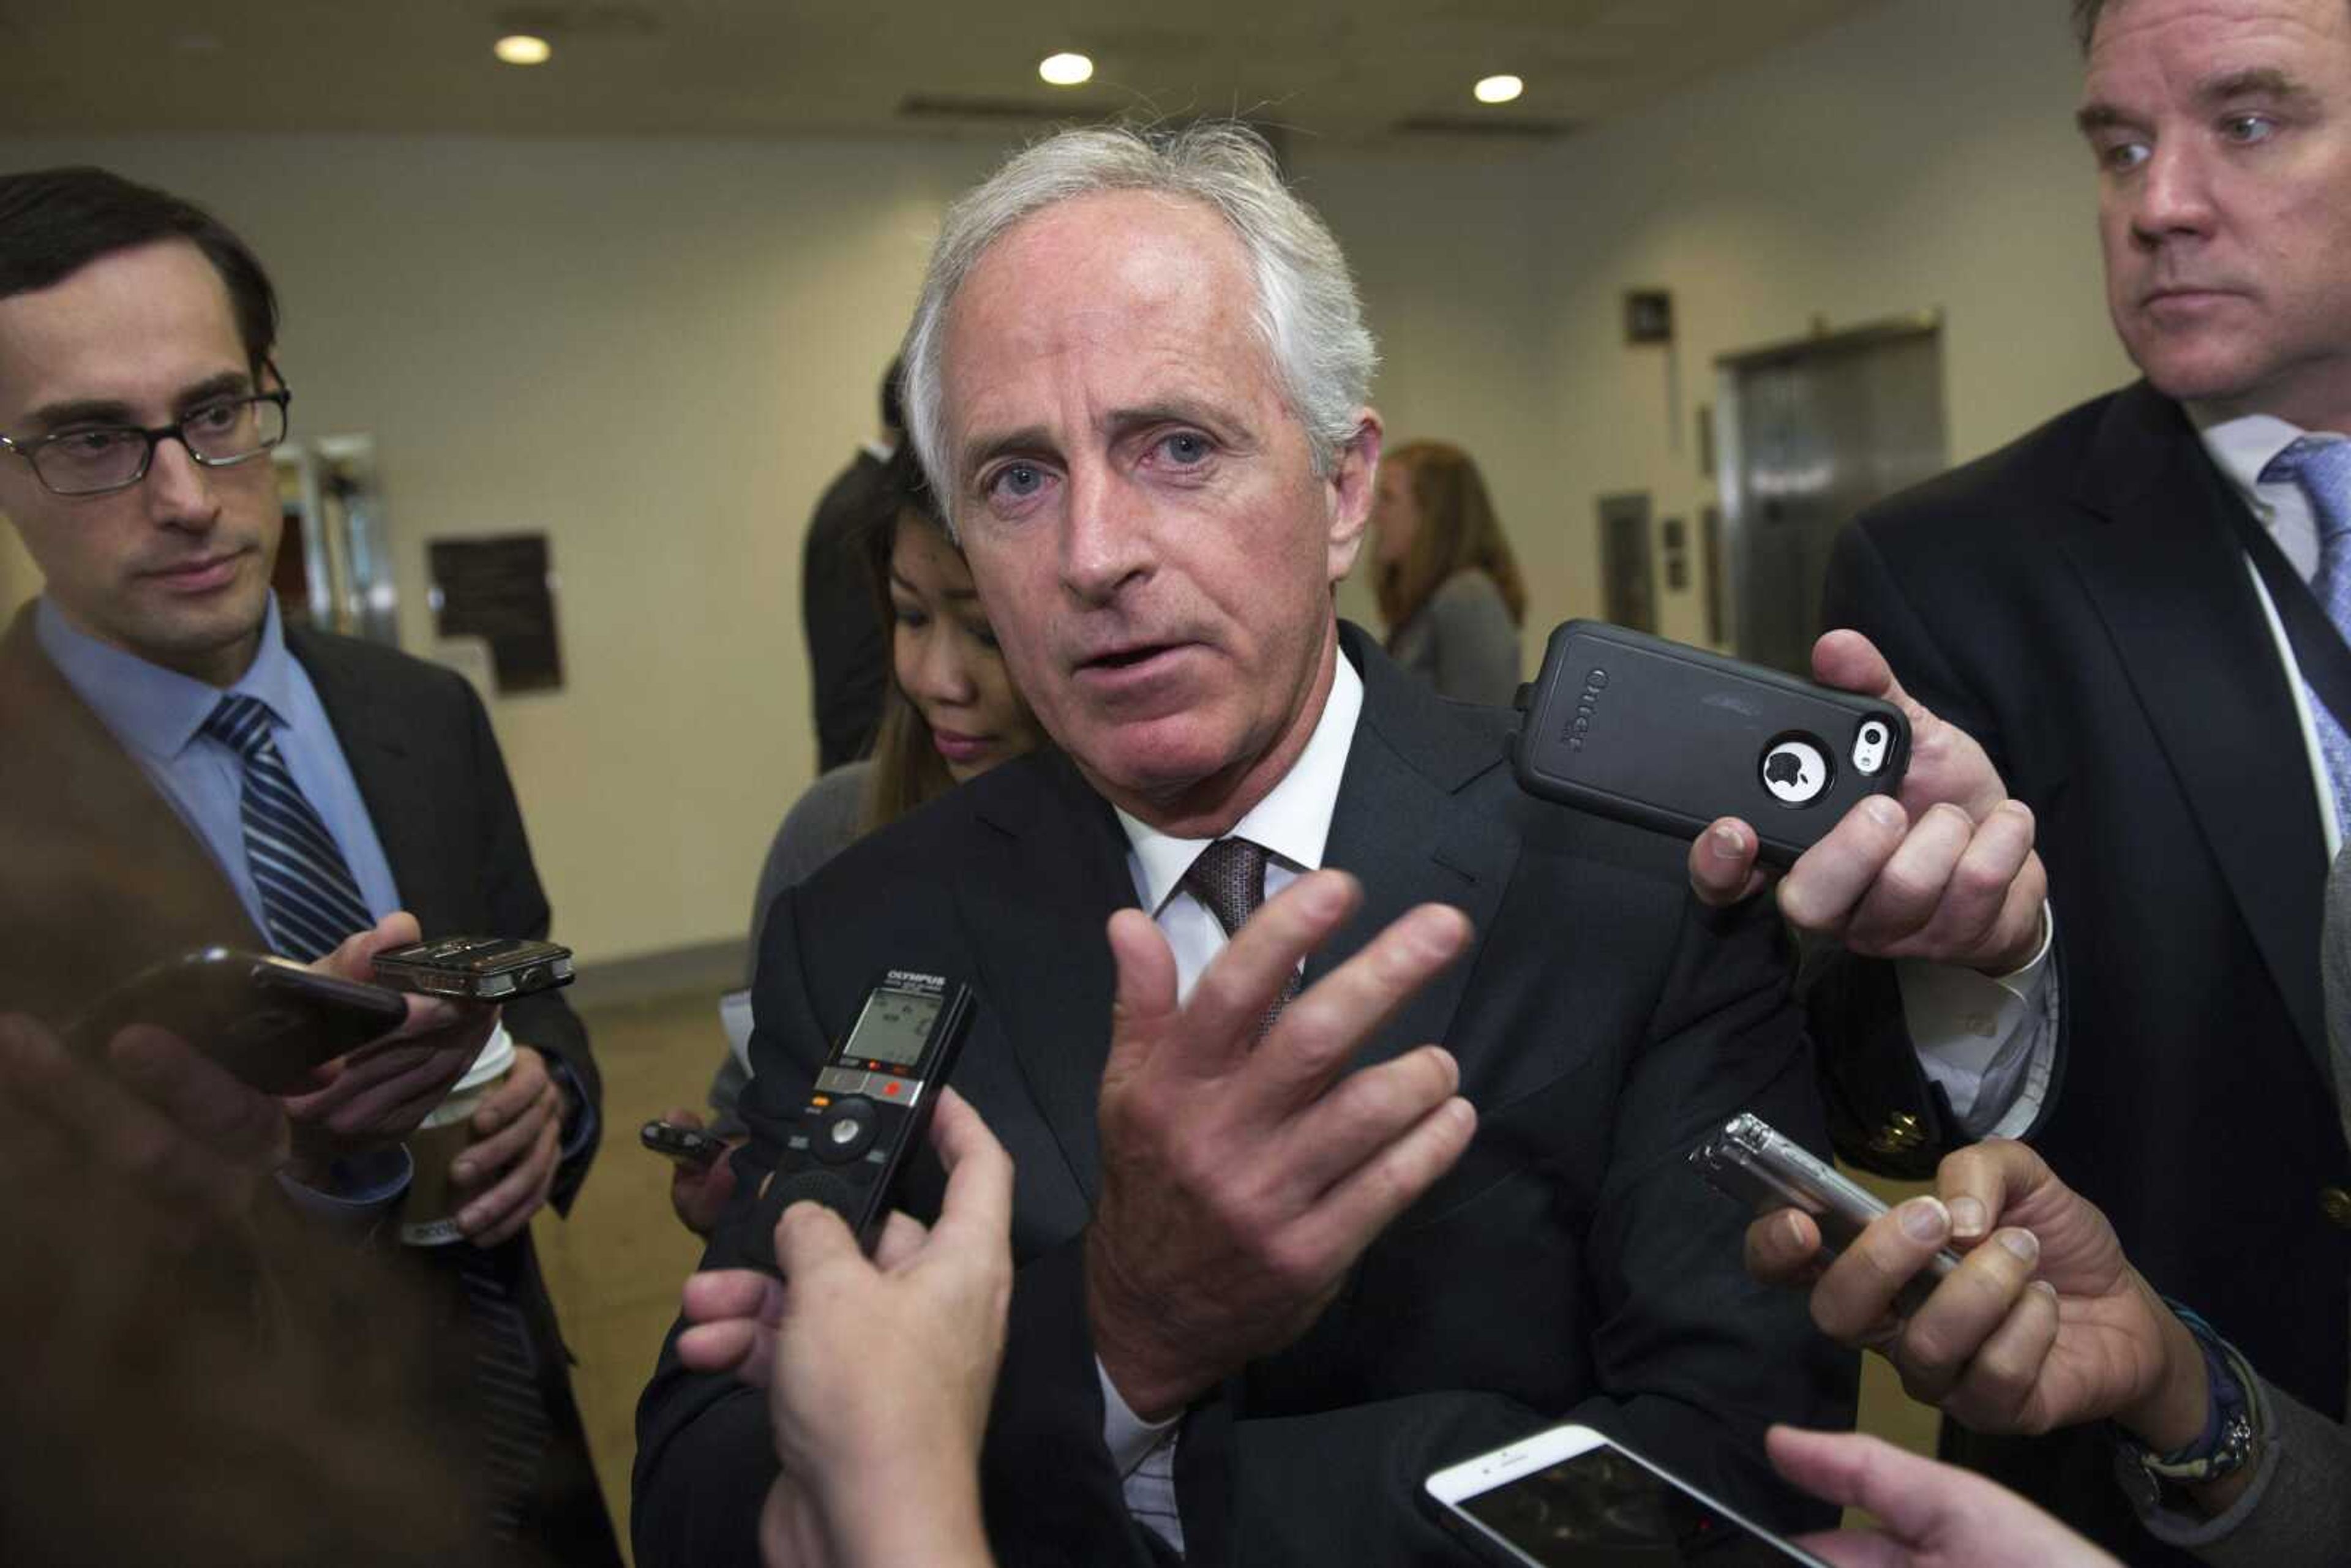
x=870, y=1105
x=475, y=968
x=267, y=1021
x=688, y=1146
x=1670, y=736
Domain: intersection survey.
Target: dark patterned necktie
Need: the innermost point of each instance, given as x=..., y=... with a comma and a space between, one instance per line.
x=2323, y=470
x=1228, y=877
x=309, y=899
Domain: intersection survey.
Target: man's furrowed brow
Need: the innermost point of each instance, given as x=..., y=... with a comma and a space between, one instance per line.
x=113, y=410
x=2266, y=83
x=2093, y=118
x=1220, y=421
x=1031, y=442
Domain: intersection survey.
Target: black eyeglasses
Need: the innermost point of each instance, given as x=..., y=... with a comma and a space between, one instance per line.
x=93, y=459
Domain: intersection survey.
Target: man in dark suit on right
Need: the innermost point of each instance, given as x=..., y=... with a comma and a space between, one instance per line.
x=2110, y=606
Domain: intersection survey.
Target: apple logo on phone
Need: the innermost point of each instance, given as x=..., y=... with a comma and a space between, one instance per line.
x=1795, y=771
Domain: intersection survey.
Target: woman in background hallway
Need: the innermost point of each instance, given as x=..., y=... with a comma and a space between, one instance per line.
x=1448, y=586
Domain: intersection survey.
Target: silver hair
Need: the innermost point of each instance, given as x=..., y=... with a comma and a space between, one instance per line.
x=1307, y=310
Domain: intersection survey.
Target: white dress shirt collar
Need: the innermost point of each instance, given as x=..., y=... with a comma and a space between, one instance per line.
x=2244, y=446
x=1293, y=822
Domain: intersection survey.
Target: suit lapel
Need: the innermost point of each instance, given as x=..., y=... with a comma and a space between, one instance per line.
x=403, y=804
x=1034, y=902
x=2159, y=560
x=1401, y=829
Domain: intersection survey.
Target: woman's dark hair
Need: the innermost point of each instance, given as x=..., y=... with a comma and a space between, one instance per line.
x=1459, y=532
x=55, y=222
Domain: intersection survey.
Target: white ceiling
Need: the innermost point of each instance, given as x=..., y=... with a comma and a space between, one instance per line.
x=1359, y=73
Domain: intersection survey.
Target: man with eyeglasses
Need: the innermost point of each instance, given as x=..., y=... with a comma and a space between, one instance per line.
x=180, y=768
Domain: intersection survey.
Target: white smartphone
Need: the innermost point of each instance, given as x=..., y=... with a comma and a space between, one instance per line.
x=1570, y=1496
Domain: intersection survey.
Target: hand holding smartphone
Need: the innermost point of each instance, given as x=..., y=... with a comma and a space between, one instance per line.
x=1762, y=1168
x=267, y=1021
x=1671, y=737
x=1570, y=1496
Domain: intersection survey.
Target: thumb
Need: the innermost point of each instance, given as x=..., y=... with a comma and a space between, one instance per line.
x=811, y=1239
x=1722, y=864
x=355, y=958
x=1851, y=663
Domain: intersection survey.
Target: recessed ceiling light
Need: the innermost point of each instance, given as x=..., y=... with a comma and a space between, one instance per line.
x=521, y=49
x=1066, y=71
x=1499, y=90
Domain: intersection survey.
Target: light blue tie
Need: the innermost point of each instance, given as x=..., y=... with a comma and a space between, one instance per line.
x=2322, y=469
x=309, y=899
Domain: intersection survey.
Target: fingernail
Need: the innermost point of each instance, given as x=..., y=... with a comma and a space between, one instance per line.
x=2022, y=1244
x=462, y=1171
x=1883, y=812
x=1792, y=1227
x=1925, y=1219
x=1323, y=894
x=1968, y=1218
x=2044, y=1287
x=1728, y=844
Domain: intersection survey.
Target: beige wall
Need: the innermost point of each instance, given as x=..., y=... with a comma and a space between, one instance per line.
x=1920, y=155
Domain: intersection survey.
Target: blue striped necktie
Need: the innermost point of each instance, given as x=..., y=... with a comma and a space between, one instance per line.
x=2322, y=469
x=309, y=899
x=310, y=902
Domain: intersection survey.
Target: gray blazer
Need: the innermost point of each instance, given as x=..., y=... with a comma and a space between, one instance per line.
x=1463, y=642
x=2298, y=1510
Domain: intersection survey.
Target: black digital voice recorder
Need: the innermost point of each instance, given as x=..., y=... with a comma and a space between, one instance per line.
x=871, y=1106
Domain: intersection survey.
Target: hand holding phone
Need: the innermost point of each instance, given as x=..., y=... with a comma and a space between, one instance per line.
x=1672, y=737
x=1570, y=1496
x=269, y=1022
x=1969, y=889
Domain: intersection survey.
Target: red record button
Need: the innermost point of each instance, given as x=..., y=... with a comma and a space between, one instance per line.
x=891, y=1088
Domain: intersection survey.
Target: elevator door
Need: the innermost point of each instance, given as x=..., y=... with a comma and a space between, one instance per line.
x=1817, y=429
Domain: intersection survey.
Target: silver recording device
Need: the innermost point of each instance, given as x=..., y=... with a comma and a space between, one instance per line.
x=1764, y=1169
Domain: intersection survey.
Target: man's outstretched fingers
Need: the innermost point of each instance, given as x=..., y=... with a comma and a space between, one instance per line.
x=1320, y=1031
x=1360, y=1206
x=1253, y=969
x=1367, y=1111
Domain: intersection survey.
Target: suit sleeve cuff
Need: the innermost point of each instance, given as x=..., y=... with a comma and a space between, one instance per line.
x=1989, y=1041
x=360, y=1189
x=580, y=1121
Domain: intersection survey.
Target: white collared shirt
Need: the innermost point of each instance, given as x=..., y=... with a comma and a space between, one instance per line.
x=2242, y=448
x=1292, y=824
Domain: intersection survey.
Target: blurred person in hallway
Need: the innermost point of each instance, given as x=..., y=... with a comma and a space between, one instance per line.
x=183, y=770
x=951, y=714
x=1447, y=584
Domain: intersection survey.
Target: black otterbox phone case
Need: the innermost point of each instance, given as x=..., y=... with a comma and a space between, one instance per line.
x=871, y=1106
x=1670, y=736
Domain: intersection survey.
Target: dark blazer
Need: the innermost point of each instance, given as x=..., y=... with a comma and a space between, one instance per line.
x=2079, y=602
x=849, y=657
x=1569, y=1266
x=105, y=879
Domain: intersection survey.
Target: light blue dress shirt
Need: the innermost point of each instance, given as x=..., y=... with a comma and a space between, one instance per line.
x=158, y=715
